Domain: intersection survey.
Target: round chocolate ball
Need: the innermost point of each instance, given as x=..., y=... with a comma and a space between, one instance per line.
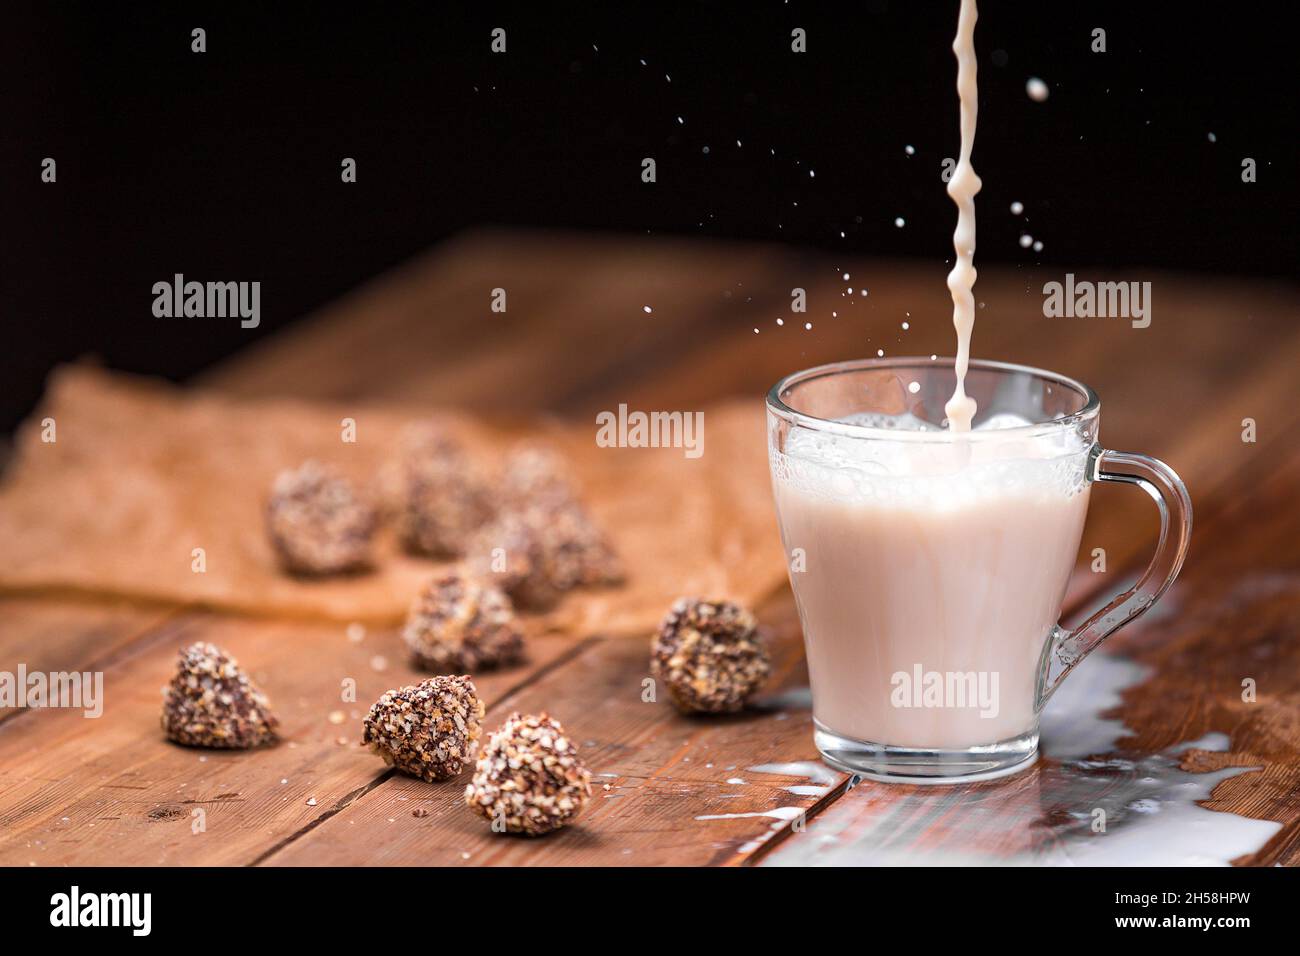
x=461, y=623
x=537, y=554
x=441, y=495
x=709, y=655
x=317, y=523
x=535, y=473
x=427, y=730
x=529, y=778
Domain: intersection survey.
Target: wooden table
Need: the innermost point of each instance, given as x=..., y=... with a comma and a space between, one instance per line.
x=738, y=790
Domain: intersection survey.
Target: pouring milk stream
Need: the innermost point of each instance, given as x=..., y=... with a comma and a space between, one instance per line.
x=962, y=188
x=903, y=537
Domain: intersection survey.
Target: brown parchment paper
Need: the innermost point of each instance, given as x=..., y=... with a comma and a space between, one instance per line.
x=142, y=473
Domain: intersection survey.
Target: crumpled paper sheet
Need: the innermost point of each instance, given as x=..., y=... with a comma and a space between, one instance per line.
x=143, y=472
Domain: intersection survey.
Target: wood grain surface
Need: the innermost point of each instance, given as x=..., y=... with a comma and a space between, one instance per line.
x=576, y=339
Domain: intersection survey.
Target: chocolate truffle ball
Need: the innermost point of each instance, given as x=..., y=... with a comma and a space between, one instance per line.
x=537, y=554
x=461, y=623
x=529, y=778
x=428, y=730
x=709, y=655
x=442, y=497
x=534, y=474
x=582, y=553
x=514, y=555
x=318, y=524
x=212, y=703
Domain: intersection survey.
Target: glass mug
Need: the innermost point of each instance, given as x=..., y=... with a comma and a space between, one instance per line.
x=929, y=568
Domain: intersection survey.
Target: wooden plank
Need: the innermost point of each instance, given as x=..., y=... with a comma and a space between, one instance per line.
x=46, y=635
x=575, y=310
x=604, y=681
x=575, y=331
x=536, y=282
x=1204, y=445
x=77, y=790
x=575, y=340
x=681, y=790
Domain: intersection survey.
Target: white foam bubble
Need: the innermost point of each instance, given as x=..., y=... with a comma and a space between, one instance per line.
x=941, y=469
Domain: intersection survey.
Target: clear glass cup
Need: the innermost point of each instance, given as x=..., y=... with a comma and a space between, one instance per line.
x=929, y=567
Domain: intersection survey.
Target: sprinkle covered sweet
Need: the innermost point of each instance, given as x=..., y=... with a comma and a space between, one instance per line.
x=461, y=623
x=317, y=522
x=537, y=554
x=441, y=497
x=709, y=655
x=535, y=473
x=427, y=730
x=529, y=778
x=211, y=702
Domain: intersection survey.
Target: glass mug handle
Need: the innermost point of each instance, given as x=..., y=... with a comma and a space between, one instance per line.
x=1065, y=649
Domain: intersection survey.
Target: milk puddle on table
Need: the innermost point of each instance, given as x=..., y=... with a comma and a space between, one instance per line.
x=781, y=815
x=1152, y=816
x=1045, y=818
x=821, y=778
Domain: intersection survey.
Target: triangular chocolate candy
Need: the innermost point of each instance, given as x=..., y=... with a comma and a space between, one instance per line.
x=212, y=703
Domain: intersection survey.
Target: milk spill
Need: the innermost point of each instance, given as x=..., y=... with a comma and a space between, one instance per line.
x=821, y=778
x=781, y=815
x=1150, y=804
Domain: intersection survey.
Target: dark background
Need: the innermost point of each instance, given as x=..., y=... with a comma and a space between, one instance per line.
x=225, y=165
